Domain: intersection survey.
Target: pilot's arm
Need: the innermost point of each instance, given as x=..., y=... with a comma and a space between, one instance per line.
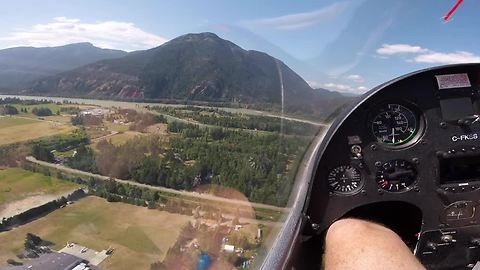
x=359, y=244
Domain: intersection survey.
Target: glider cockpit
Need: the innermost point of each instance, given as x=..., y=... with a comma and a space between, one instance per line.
x=406, y=155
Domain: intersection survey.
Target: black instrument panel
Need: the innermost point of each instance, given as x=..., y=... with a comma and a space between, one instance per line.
x=416, y=141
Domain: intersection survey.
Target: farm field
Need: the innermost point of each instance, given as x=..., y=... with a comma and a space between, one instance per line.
x=139, y=236
x=59, y=118
x=21, y=189
x=118, y=139
x=52, y=106
x=115, y=127
x=16, y=184
x=122, y=138
x=16, y=129
x=159, y=129
x=9, y=121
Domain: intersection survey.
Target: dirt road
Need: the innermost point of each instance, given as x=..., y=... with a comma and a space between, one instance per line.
x=202, y=196
x=17, y=207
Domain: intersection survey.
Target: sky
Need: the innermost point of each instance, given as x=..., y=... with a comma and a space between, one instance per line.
x=347, y=46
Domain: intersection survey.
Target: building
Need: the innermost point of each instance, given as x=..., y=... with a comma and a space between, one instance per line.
x=229, y=248
x=97, y=112
x=53, y=261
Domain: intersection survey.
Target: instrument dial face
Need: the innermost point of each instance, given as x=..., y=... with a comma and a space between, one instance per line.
x=394, y=125
x=345, y=180
x=396, y=175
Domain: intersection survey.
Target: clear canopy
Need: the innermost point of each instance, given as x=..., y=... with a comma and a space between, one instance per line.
x=162, y=135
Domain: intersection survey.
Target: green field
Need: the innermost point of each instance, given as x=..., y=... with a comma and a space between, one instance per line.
x=17, y=184
x=17, y=129
x=65, y=154
x=52, y=106
x=115, y=127
x=120, y=138
x=8, y=122
x=139, y=236
x=63, y=118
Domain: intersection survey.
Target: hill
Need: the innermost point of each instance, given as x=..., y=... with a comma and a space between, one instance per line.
x=22, y=65
x=194, y=67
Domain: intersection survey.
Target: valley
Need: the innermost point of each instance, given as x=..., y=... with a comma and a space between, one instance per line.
x=108, y=151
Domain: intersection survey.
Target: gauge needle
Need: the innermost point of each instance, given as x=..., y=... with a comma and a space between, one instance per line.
x=393, y=135
x=476, y=120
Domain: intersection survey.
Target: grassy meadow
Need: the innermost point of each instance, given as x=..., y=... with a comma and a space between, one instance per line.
x=139, y=236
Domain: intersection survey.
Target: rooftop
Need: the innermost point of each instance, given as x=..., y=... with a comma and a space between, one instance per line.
x=52, y=261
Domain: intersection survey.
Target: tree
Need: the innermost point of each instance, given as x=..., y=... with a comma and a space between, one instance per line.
x=83, y=160
x=42, y=111
x=217, y=134
x=161, y=119
x=13, y=262
x=42, y=153
x=8, y=110
x=76, y=120
x=32, y=241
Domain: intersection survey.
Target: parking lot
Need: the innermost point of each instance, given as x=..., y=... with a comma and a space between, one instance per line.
x=90, y=255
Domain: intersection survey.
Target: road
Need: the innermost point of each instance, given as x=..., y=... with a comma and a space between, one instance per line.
x=137, y=105
x=190, y=194
x=113, y=133
x=17, y=207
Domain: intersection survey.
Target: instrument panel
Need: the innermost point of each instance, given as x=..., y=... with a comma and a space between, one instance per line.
x=415, y=141
x=394, y=124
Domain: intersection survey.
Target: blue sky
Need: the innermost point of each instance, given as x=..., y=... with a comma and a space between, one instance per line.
x=348, y=46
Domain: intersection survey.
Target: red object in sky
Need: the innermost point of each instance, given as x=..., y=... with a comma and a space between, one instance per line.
x=446, y=18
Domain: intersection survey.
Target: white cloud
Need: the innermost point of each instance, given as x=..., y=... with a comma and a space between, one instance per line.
x=391, y=49
x=314, y=84
x=65, y=19
x=345, y=88
x=447, y=58
x=106, y=34
x=356, y=78
x=299, y=20
x=362, y=89
x=339, y=87
x=427, y=56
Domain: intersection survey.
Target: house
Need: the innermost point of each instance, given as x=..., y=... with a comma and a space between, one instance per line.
x=229, y=248
x=53, y=261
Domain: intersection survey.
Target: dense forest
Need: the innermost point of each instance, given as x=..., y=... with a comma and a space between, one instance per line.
x=226, y=152
x=43, y=149
x=6, y=107
x=42, y=111
x=261, y=166
x=222, y=118
x=25, y=102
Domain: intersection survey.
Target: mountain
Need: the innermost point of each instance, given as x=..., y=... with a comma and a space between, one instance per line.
x=248, y=39
x=196, y=67
x=22, y=65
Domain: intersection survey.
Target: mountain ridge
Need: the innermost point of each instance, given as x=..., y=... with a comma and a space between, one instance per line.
x=198, y=67
x=21, y=65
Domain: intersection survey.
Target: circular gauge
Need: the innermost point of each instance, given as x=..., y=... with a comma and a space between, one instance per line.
x=396, y=175
x=345, y=180
x=394, y=125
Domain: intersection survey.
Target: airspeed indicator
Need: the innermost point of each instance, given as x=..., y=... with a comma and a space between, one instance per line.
x=394, y=124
